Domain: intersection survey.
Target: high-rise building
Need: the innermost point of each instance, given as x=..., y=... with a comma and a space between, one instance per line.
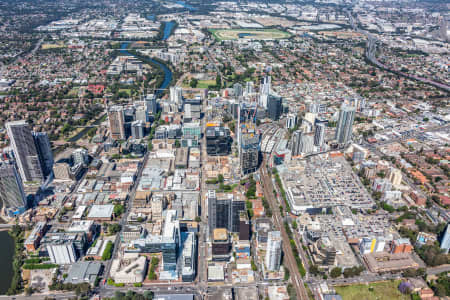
x=176, y=95
x=249, y=152
x=218, y=140
x=80, y=156
x=296, y=143
x=137, y=129
x=25, y=151
x=249, y=88
x=445, y=241
x=264, y=91
x=314, y=107
x=319, y=135
x=224, y=212
x=274, y=107
x=237, y=206
x=44, y=150
x=291, y=121
x=141, y=114
x=273, y=251
x=116, y=122
x=11, y=188
x=152, y=105
x=238, y=90
x=345, y=124
x=307, y=143
x=244, y=226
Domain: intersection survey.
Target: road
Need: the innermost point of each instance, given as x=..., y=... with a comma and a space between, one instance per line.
x=290, y=261
x=438, y=269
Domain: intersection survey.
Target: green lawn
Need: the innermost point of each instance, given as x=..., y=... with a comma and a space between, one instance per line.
x=375, y=291
x=128, y=91
x=203, y=84
x=256, y=34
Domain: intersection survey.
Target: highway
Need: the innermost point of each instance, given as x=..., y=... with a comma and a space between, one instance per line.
x=290, y=261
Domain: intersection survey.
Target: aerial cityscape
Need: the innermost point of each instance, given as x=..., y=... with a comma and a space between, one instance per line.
x=225, y=150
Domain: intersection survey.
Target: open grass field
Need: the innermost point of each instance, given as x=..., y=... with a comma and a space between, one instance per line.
x=255, y=34
x=203, y=84
x=374, y=291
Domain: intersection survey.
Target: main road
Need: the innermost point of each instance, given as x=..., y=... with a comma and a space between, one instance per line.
x=278, y=222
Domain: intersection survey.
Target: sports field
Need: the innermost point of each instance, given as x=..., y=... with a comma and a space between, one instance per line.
x=387, y=290
x=256, y=34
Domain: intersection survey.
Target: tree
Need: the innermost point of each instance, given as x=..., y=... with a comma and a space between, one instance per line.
x=193, y=83
x=29, y=291
x=336, y=272
x=314, y=270
x=118, y=209
x=218, y=81
x=220, y=178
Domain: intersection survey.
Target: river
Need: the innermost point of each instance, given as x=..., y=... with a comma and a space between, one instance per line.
x=167, y=72
x=6, y=259
x=168, y=29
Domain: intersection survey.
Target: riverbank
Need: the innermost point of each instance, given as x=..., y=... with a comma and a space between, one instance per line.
x=16, y=235
x=161, y=85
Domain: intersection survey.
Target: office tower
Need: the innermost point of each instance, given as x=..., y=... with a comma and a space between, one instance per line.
x=249, y=88
x=274, y=107
x=176, y=95
x=128, y=114
x=273, y=251
x=80, y=157
x=291, y=121
x=218, y=211
x=319, y=135
x=218, y=140
x=189, y=258
x=212, y=212
x=445, y=241
x=25, y=151
x=237, y=207
x=238, y=90
x=224, y=212
x=244, y=226
x=44, y=150
x=307, y=144
x=314, y=107
x=306, y=126
x=11, y=188
x=152, y=105
x=141, y=114
x=296, y=143
x=249, y=152
x=137, y=129
x=264, y=91
x=345, y=124
x=116, y=122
